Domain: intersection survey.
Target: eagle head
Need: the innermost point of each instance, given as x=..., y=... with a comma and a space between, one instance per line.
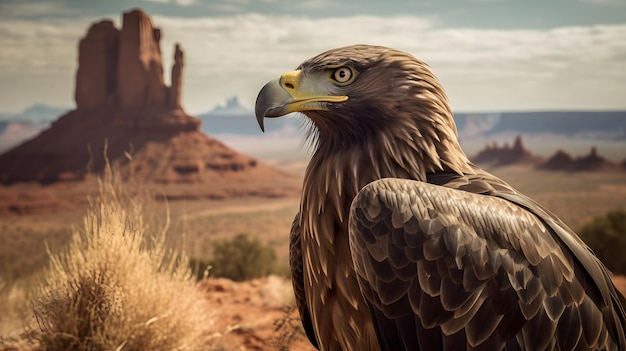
x=368, y=95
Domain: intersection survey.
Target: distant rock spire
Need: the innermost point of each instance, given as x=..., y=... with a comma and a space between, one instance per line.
x=140, y=68
x=495, y=155
x=562, y=161
x=518, y=145
x=96, y=78
x=177, y=78
x=124, y=68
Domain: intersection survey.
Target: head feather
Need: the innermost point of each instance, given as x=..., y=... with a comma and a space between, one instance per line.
x=396, y=106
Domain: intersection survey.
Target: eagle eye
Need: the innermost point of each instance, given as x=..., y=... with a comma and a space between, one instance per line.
x=342, y=75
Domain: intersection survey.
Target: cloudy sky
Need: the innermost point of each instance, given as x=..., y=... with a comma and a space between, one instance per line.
x=491, y=55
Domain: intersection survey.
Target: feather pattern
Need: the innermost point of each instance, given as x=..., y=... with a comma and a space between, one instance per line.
x=508, y=296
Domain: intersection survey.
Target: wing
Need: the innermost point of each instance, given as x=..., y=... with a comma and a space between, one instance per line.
x=597, y=280
x=443, y=268
x=297, y=279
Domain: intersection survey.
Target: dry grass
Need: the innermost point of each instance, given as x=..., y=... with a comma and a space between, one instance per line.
x=23, y=250
x=205, y=223
x=288, y=329
x=14, y=305
x=576, y=198
x=117, y=286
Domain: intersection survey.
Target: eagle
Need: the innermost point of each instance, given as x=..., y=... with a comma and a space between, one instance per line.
x=401, y=243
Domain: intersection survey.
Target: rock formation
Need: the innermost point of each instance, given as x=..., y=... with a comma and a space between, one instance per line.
x=562, y=161
x=174, y=96
x=495, y=155
x=593, y=161
x=124, y=109
x=140, y=70
x=123, y=68
x=96, y=79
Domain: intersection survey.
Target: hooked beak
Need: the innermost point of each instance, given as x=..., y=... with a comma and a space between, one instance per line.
x=285, y=95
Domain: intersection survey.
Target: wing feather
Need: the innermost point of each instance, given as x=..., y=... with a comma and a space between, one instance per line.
x=456, y=266
x=297, y=279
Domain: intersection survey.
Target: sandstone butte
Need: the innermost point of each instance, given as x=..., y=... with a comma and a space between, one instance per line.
x=124, y=110
x=505, y=155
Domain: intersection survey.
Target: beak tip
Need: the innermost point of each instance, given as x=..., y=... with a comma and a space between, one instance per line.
x=260, y=119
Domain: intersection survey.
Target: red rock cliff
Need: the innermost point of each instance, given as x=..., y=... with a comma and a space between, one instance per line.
x=124, y=68
x=140, y=70
x=125, y=109
x=96, y=79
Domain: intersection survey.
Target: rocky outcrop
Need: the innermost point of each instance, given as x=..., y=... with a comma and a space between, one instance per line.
x=562, y=161
x=96, y=79
x=140, y=72
x=126, y=114
x=495, y=155
x=123, y=68
x=175, y=91
x=559, y=161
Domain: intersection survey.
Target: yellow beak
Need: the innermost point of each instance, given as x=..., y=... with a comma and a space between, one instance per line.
x=285, y=95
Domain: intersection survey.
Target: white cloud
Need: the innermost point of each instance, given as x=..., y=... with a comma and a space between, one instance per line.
x=178, y=2
x=39, y=48
x=36, y=9
x=38, y=60
x=570, y=67
x=186, y=2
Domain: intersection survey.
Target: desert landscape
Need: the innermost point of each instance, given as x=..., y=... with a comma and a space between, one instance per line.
x=129, y=125
x=244, y=315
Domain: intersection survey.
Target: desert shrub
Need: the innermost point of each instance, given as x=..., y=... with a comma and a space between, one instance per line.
x=288, y=329
x=606, y=235
x=116, y=286
x=242, y=258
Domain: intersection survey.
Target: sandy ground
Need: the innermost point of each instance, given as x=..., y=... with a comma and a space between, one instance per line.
x=255, y=315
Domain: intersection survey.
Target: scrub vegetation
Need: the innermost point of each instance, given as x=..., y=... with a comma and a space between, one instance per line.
x=117, y=286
